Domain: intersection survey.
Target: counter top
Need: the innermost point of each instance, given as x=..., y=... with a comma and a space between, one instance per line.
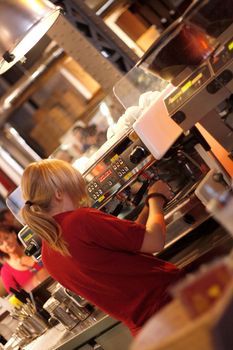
x=60, y=338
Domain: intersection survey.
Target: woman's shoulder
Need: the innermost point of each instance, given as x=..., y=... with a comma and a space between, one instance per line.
x=6, y=268
x=83, y=211
x=78, y=214
x=88, y=213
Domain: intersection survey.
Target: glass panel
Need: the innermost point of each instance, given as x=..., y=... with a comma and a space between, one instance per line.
x=83, y=139
x=138, y=81
x=213, y=16
x=15, y=202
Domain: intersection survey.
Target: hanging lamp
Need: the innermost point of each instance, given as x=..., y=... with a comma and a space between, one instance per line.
x=22, y=25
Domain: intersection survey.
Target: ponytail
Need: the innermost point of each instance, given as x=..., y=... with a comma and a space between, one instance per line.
x=46, y=227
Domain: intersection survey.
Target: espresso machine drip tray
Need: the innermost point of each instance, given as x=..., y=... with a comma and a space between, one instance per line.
x=181, y=196
x=183, y=214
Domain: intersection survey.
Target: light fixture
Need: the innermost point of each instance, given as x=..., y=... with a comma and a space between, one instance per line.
x=22, y=25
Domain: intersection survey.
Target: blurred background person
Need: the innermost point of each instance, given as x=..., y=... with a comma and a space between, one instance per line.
x=18, y=270
x=101, y=138
x=63, y=154
x=77, y=132
x=88, y=137
x=7, y=218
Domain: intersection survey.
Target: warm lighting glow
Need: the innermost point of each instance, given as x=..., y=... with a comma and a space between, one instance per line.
x=22, y=24
x=106, y=113
x=10, y=167
x=220, y=152
x=80, y=164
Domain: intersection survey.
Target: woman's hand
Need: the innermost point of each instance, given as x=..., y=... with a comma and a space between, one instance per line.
x=161, y=187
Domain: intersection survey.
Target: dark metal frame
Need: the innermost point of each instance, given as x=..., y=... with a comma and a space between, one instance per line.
x=98, y=33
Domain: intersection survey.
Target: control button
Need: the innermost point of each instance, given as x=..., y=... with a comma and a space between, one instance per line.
x=223, y=79
x=214, y=86
x=137, y=155
x=179, y=117
x=189, y=219
x=119, y=173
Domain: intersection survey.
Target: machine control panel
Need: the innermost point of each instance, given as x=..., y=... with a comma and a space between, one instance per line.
x=118, y=167
x=213, y=75
x=188, y=88
x=101, y=184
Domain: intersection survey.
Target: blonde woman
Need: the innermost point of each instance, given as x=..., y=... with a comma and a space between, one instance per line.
x=105, y=259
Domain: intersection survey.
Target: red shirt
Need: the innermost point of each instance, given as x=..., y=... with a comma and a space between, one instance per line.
x=17, y=279
x=107, y=268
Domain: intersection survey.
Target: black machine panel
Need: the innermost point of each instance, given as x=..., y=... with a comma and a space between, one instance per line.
x=116, y=169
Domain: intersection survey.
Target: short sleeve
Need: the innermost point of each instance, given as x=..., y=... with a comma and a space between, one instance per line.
x=111, y=232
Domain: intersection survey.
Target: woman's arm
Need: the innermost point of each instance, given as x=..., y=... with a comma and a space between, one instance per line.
x=143, y=216
x=155, y=234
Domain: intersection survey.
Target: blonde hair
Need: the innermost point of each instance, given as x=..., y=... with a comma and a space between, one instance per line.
x=39, y=183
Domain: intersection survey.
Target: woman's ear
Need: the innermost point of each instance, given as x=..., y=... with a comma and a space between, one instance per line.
x=58, y=195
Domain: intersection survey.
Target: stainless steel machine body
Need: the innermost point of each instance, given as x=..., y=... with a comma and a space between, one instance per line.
x=66, y=307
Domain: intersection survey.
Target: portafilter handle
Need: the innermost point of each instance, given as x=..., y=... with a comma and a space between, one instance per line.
x=139, y=195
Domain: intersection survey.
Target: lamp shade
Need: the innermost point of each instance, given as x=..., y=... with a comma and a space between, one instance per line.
x=22, y=25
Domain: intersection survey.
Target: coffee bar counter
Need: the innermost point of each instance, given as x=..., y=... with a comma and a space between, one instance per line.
x=60, y=338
